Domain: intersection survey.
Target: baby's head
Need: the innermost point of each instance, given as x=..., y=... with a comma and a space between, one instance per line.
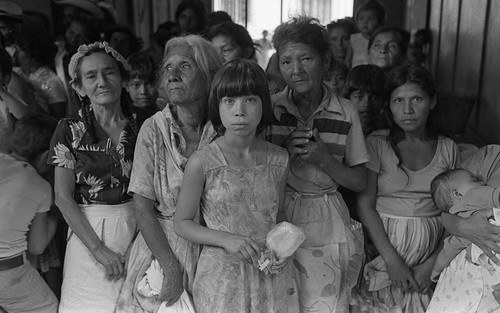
x=450, y=187
x=369, y=16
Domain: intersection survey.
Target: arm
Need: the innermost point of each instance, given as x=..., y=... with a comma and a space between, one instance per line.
x=42, y=229
x=280, y=217
x=151, y=230
x=477, y=229
x=16, y=106
x=399, y=273
x=188, y=203
x=353, y=178
x=78, y=222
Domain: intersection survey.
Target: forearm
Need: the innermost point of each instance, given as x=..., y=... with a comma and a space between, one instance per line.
x=353, y=178
x=375, y=228
x=194, y=232
x=453, y=224
x=16, y=106
x=78, y=222
x=152, y=232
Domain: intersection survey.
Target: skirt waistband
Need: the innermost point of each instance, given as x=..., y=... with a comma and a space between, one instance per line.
x=108, y=210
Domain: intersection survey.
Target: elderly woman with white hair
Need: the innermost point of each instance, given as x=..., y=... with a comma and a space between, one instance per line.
x=92, y=154
x=165, y=142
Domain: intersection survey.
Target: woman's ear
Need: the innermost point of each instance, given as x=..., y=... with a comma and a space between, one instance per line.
x=78, y=90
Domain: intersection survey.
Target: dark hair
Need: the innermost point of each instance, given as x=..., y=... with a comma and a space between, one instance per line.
x=35, y=40
x=85, y=104
x=302, y=29
x=142, y=66
x=5, y=62
x=135, y=43
x=399, y=37
x=419, y=75
x=237, y=33
x=237, y=78
x=375, y=7
x=31, y=135
x=217, y=17
x=199, y=10
x=366, y=78
x=343, y=23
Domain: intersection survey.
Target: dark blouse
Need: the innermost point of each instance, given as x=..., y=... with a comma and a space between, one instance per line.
x=102, y=170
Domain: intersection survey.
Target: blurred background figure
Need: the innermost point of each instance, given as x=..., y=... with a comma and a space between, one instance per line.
x=123, y=40
x=232, y=41
x=191, y=15
x=264, y=49
x=339, y=34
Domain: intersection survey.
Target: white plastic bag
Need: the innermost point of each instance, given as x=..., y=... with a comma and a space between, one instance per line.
x=284, y=239
x=150, y=286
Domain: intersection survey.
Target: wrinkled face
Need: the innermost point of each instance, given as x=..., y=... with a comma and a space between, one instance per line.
x=302, y=67
x=142, y=93
x=227, y=48
x=185, y=82
x=187, y=20
x=338, y=39
x=101, y=80
x=121, y=42
x=384, y=51
x=410, y=106
x=367, y=22
x=241, y=115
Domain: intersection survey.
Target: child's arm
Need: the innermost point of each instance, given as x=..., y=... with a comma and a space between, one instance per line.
x=42, y=229
x=399, y=272
x=281, y=202
x=15, y=105
x=188, y=203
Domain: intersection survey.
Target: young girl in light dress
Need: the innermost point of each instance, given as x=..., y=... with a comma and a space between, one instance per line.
x=238, y=183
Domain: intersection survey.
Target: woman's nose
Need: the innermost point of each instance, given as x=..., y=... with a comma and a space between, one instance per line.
x=408, y=108
x=173, y=75
x=296, y=67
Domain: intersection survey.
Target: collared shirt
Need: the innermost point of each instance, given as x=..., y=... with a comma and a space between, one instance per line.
x=338, y=125
x=102, y=169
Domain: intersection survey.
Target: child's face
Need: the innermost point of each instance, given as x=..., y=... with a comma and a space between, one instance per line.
x=367, y=22
x=142, y=93
x=337, y=82
x=362, y=102
x=241, y=115
x=464, y=181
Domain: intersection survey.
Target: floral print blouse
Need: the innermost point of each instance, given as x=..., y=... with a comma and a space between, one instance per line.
x=102, y=170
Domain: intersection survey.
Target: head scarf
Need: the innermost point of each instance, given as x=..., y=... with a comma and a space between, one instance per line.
x=83, y=50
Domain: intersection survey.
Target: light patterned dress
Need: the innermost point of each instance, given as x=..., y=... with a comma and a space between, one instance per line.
x=240, y=200
x=411, y=221
x=157, y=175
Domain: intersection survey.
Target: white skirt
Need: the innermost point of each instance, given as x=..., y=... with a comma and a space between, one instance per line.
x=85, y=287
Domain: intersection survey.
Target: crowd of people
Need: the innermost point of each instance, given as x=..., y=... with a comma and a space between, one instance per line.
x=140, y=179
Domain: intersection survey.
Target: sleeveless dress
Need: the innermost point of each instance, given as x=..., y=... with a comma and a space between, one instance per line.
x=241, y=200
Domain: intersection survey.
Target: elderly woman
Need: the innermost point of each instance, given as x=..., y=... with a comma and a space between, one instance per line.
x=396, y=206
x=92, y=154
x=164, y=145
x=325, y=141
x=233, y=41
x=387, y=47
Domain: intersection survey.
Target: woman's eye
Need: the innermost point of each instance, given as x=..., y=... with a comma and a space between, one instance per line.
x=226, y=100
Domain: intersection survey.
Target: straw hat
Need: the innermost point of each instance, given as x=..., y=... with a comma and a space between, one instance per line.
x=87, y=5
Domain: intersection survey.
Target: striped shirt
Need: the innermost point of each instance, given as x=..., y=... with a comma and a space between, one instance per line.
x=338, y=125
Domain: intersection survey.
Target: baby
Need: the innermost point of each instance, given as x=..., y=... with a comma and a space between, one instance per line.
x=459, y=192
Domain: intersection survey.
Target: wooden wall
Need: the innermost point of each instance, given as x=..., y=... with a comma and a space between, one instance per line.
x=465, y=57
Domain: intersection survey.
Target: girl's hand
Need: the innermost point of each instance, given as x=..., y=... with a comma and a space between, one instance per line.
x=482, y=233
x=317, y=152
x=112, y=262
x=401, y=275
x=244, y=248
x=296, y=141
x=280, y=264
x=422, y=274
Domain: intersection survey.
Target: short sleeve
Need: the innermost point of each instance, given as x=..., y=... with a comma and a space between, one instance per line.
x=143, y=169
x=61, y=152
x=373, y=145
x=356, y=152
